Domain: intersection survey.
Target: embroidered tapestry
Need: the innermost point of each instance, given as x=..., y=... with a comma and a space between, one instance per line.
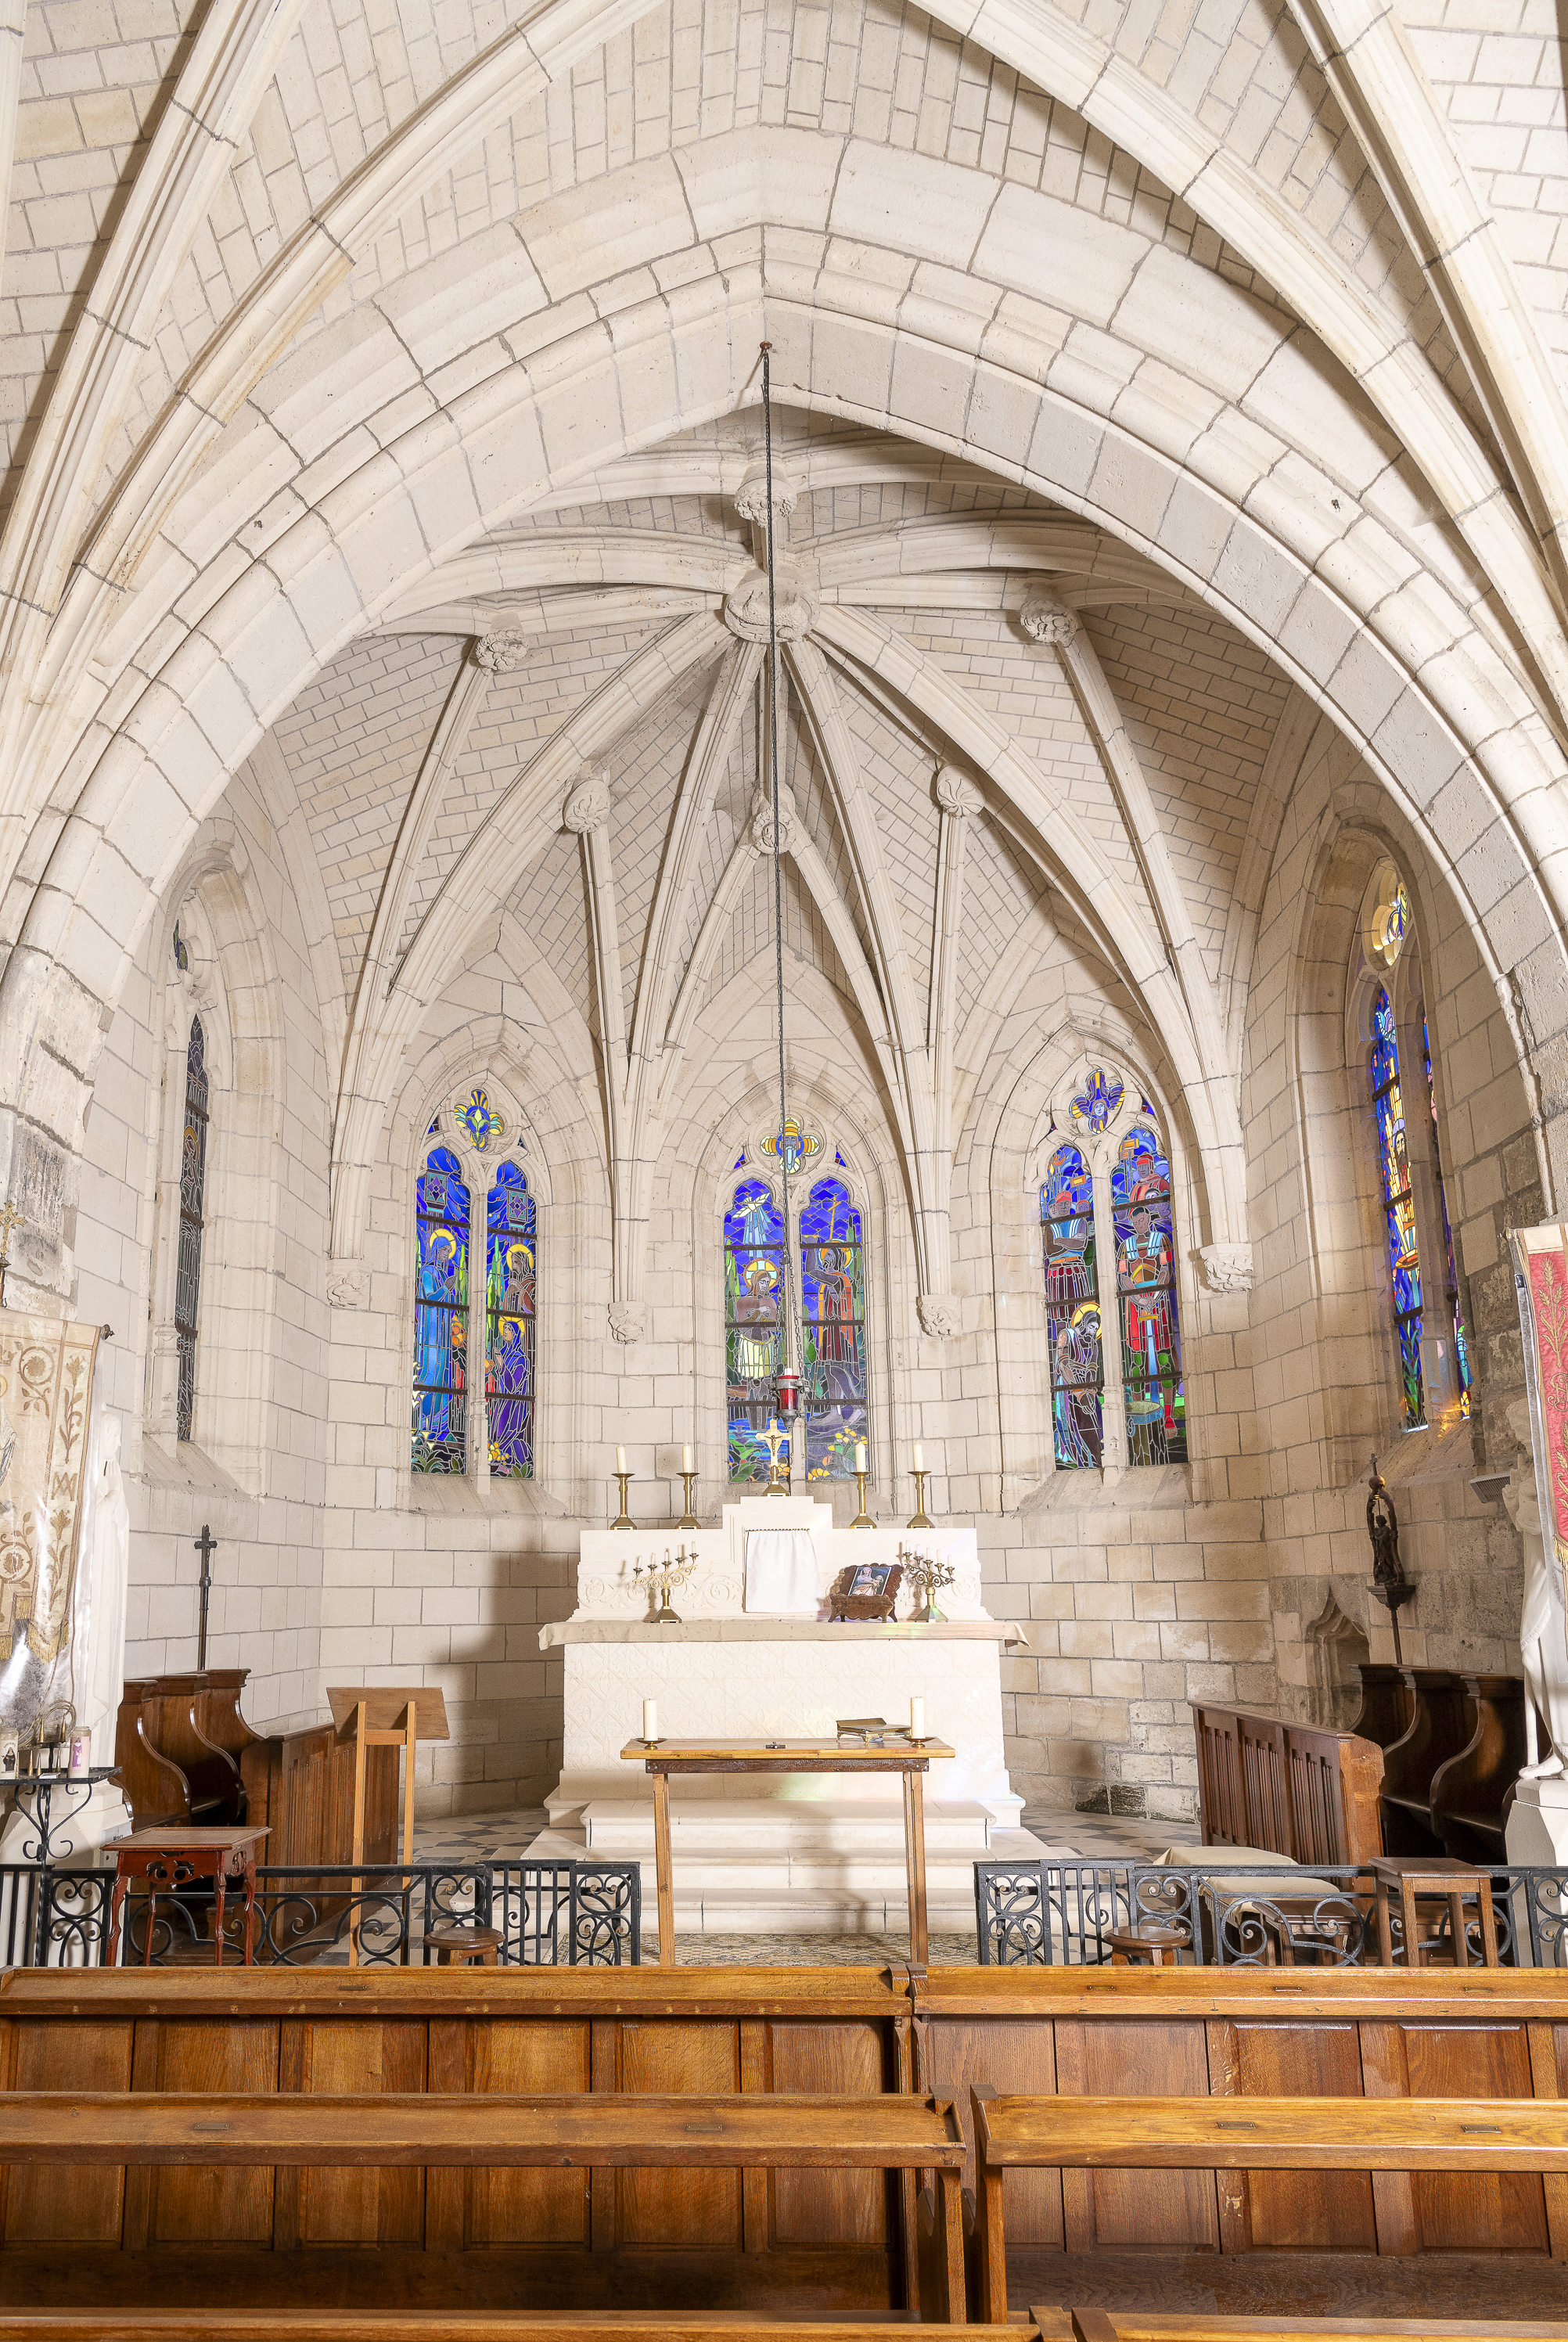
x=45, y=1396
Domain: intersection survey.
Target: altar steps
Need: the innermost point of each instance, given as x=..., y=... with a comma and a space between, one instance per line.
x=771, y=1865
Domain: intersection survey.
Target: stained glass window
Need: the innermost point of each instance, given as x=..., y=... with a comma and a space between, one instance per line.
x=193, y=1191
x=1093, y=1109
x=753, y=1270
x=441, y=1319
x=1398, y=1205
x=832, y=1298
x=510, y=1268
x=1146, y=1298
x=1463, y=1374
x=1073, y=1310
x=481, y=1121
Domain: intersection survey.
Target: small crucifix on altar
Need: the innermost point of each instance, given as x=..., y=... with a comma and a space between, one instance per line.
x=207, y=1544
x=10, y=1220
x=772, y=1439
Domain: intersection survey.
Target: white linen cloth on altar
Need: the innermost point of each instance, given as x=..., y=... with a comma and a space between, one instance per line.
x=781, y=1573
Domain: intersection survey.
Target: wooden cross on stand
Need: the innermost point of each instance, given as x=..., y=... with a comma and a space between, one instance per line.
x=10, y=1220
x=207, y=1544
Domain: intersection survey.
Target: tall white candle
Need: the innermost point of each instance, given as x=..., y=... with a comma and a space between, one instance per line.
x=917, y=1719
x=919, y=1456
x=620, y=1459
x=650, y=1719
x=860, y=1454
x=686, y=1459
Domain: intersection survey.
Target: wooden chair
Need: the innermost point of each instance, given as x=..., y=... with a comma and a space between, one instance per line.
x=1238, y=2134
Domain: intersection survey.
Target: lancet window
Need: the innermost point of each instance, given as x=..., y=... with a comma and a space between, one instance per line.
x=830, y=1249
x=193, y=1197
x=1413, y=1293
x=476, y=1302
x=1115, y=1357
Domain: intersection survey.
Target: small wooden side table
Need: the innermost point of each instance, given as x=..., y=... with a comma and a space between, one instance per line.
x=465, y=1947
x=174, y=1857
x=1414, y=1875
x=1151, y=1940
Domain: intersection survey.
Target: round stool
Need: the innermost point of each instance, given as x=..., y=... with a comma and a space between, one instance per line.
x=1130, y=1947
x=464, y=1947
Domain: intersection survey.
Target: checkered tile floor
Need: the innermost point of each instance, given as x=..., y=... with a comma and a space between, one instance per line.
x=1098, y=1838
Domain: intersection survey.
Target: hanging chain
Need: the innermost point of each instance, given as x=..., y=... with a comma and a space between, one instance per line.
x=789, y=1319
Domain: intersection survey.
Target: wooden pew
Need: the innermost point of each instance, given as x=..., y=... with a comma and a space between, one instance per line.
x=1294, y=1789
x=483, y=2326
x=1144, y=2326
x=1231, y=2135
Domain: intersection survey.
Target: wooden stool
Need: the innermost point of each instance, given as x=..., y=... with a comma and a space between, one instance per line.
x=1131, y=1946
x=1429, y=1876
x=465, y=1947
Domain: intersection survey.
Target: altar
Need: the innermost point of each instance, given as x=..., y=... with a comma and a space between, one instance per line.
x=822, y=1852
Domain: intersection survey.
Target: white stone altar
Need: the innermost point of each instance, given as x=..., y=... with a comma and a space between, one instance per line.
x=810, y=1851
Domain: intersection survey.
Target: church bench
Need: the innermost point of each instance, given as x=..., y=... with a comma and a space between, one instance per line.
x=1402, y=2137
x=1142, y=2326
x=175, y=2324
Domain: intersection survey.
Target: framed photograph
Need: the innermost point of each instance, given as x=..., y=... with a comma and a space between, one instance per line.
x=870, y=1580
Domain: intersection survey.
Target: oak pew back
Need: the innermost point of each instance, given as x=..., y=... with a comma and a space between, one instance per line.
x=178, y=2324
x=1143, y=2325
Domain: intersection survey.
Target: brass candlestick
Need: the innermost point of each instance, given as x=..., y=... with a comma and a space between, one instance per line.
x=625, y=1521
x=662, y=1577
x=688, y=1519
x=920, y=1520
x=863, y=1519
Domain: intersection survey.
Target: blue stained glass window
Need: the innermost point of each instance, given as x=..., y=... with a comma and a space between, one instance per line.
x=1095, y=1107
x=1464, y=1371
x=833, y=1297
x=1398, y=1205
x=188, y=1257
x=509, y=1288
x=1145, y=1242
x=441, y=1319
x=754, y=1271
x=1073, y=1311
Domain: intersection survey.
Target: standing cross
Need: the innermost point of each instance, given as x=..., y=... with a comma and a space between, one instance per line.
x=772, y=1439
x=207, y=1544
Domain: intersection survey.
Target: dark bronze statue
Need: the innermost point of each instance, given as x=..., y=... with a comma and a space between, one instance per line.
x=1383, y=1529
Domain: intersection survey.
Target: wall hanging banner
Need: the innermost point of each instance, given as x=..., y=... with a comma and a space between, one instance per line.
x=45, y=1396
x=1541, y=1284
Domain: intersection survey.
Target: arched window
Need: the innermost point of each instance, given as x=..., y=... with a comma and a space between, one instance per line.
x=193, y=1192
x=1116, y=1388
x=1146, y=1292
x=754, y=1271
x=1398, y=1203
x=832, y=1289
x=509, y=1311
x=440, y=1318
x=1463, y=1372
x=1073, y=1310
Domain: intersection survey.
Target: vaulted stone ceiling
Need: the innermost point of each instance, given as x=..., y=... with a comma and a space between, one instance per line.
x=992, y=714
x=339, y=335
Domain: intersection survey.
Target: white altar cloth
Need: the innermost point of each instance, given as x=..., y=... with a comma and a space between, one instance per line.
x=781, y=1574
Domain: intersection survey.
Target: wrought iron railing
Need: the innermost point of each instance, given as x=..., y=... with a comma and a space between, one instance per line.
x=1062, y=1914
x=548, y=1915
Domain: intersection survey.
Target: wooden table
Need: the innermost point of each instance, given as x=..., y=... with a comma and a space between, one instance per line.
x=177, y=1856
x=909, y=1758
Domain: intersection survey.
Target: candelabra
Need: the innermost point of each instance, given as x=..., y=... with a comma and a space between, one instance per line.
x=688, y=1519
x=662, y=1577
x=863, y=1519
x=920, y=1520
x=930, y=1576
x=625, y=1521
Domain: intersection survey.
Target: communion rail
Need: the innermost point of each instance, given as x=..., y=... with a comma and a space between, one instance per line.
x=548, y=1915
x=1056, y=1914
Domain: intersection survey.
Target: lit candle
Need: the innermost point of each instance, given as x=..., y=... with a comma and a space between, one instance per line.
x=685, y=1459
x=620, y=1459
x=917, y=1719
x=860, y=1454
x=919, y=1457
x=650, y=1719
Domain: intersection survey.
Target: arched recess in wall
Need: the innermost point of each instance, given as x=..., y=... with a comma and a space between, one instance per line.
x=218, y=974
x=851, y=1397
x=1328, y=1213
x=476, y=1414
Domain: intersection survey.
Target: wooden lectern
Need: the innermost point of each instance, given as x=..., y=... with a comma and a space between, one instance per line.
x=385, y=1717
